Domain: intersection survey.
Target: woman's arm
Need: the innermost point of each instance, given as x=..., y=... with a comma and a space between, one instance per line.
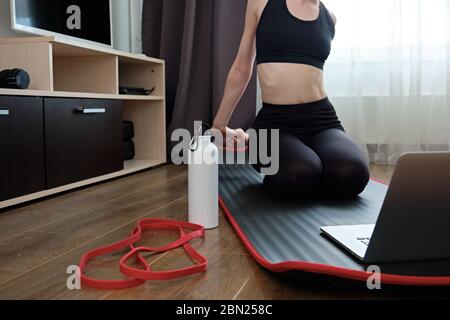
x=240, y=73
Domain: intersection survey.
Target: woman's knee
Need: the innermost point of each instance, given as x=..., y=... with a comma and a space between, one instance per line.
x=349, y=177
x=300, y=174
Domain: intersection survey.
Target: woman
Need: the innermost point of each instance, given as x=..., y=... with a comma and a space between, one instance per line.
x=291, y=40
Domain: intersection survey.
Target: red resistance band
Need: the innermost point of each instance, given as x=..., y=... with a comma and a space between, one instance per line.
x=137, y=277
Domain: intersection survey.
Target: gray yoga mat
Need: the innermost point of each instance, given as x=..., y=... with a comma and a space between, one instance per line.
x=286, y=230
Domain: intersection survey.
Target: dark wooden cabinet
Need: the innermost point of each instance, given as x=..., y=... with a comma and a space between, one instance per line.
x=22, y=160
x=83, y=139
x=47, y=143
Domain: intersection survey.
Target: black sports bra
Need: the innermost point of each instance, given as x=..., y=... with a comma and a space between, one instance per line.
x=282, y=37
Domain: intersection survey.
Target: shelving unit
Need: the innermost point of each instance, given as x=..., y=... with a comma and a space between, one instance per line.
x=61, y=69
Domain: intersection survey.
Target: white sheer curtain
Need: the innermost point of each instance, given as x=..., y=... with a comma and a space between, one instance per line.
x=389, y=74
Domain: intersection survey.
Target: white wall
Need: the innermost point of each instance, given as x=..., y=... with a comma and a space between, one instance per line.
x=5, y=21
x=136, y=25
x=126, y=17
x=127, y=24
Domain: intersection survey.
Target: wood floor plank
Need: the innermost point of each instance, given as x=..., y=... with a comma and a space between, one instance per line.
x=223, y=280
x=5, y=274
x=214, y=247
x=48, y=280
x=230, y=266
x=86, y=225
x=36, y=247
x=32, y=216
x=382, y=173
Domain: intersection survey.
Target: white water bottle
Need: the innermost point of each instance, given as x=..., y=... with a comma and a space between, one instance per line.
x=204, y=182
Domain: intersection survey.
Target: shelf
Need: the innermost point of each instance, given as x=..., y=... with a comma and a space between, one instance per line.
x=140, y=98
x=67, y=48
x=130, y=167
x=66, y=70
x=59, y=65
x=66, y=94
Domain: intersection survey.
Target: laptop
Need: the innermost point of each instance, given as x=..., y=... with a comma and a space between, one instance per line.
x=414, y=221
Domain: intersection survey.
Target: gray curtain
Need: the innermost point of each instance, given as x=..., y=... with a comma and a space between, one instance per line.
x=199, y=40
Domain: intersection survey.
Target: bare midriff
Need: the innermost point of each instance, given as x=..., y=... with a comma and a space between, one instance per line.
x=289, y=83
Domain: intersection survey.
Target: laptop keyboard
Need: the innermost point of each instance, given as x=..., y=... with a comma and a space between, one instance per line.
x=365, y=241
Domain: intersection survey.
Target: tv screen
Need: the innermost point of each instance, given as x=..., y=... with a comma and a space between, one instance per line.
x=88, y=20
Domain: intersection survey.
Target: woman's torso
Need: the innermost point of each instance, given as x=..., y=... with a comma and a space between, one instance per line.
x=294, y=82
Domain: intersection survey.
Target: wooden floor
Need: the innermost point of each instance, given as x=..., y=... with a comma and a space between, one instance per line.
x=39, y=241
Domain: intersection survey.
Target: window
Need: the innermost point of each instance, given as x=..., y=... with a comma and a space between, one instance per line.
x=381, y=23
x=389, y=48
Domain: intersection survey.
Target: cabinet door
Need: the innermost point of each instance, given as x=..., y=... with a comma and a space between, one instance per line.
x=83, y=139
x=22, y=161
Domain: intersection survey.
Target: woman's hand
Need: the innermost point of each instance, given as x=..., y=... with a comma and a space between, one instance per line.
x=232, y=138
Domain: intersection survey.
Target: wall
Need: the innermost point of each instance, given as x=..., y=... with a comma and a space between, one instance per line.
x=127, y=24
x=5, y=21
x=126, y=17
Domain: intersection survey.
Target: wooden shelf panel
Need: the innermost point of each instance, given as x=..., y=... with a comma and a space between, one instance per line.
x=67, y=48
x=149, y=119
x=140, y=98
x=86, y=74
x=62, y=68
x=66, y=94
x=130, y=167
x=142, y=76
x=35, y=58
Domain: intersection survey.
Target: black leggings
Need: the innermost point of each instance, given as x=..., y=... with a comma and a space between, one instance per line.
x=319, y=158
